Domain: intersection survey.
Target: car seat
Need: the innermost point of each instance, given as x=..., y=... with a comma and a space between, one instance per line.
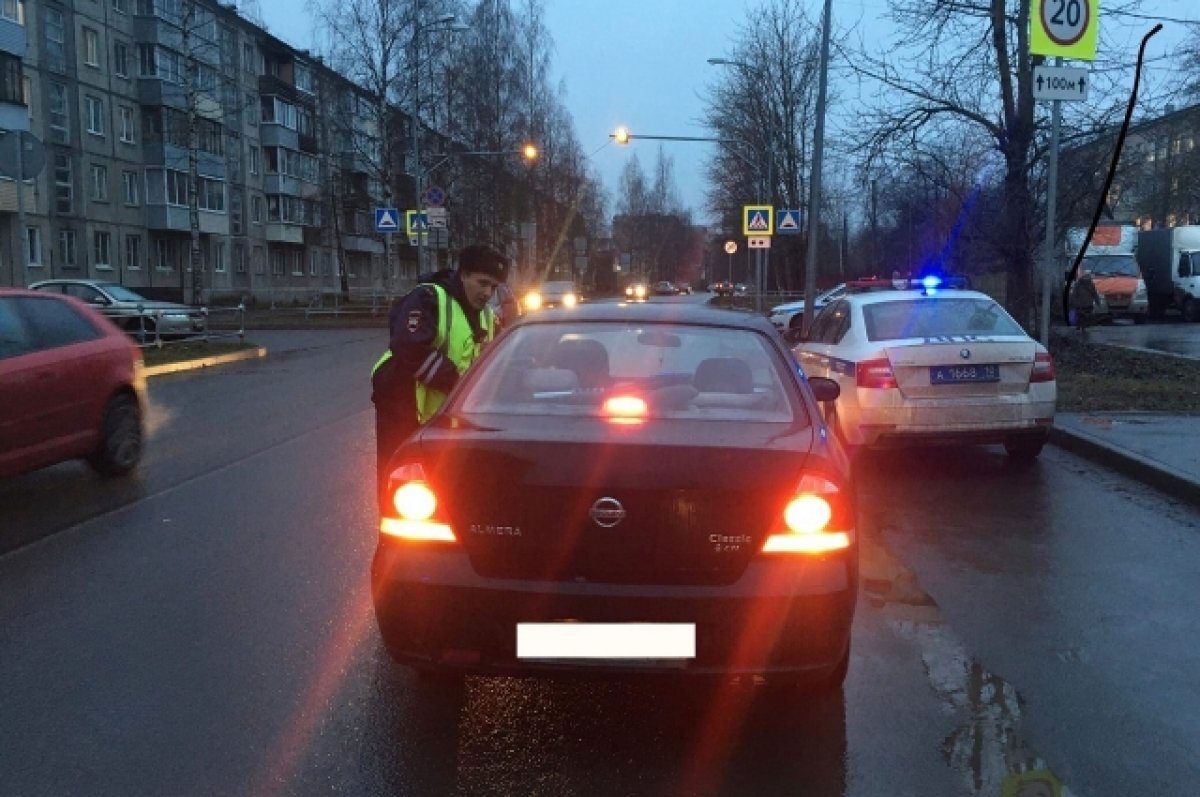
x=723, y=375
x=587, y=358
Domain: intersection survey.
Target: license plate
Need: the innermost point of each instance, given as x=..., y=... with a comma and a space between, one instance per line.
x=955, y=374
x=599, y=642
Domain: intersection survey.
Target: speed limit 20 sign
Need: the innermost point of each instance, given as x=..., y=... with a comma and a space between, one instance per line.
x=1066, y=28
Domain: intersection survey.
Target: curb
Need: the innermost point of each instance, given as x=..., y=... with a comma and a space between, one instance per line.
x=205, y=362
x=1128, y=463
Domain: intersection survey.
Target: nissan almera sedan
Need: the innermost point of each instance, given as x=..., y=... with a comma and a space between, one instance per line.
x=632, y=489
x=918, y=364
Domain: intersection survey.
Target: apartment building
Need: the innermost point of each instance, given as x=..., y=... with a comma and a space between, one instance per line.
x=14, y=121
x=127, y=94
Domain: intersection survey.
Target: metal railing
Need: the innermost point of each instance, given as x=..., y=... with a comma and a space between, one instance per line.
x=361, y=303
x=158, y=328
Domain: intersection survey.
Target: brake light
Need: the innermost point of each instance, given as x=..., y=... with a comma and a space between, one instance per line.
x=817, y=520
x=875, y=373
x=625, y=409
x=1043, y=368
x=416, y=517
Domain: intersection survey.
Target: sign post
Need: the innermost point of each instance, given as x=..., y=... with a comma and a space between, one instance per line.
x=1063, y=29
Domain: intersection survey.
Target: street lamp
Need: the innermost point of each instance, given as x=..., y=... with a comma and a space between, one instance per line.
x=446, y=22
x=761, y=256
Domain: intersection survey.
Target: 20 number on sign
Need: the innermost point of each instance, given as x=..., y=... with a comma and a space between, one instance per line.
x=1065, y=20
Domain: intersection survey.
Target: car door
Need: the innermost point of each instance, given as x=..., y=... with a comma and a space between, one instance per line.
x=56, y=385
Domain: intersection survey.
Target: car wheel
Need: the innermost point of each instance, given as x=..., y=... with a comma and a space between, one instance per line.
x=1191, y=310
x=1024, y=449
x=120, y=438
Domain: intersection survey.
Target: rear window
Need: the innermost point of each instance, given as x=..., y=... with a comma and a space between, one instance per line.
x=678, y=371
x=940, y=317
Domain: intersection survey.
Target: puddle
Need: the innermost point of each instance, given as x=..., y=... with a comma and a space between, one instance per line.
x=987, y=749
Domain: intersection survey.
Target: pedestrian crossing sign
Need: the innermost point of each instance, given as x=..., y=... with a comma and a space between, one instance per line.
x=387, y=220
x=757, y=219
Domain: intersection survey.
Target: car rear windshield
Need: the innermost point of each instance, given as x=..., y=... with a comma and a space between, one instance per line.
x=937, y=317
x=671, y=370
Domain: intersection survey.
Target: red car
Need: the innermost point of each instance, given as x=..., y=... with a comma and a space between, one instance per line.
x=71, y=385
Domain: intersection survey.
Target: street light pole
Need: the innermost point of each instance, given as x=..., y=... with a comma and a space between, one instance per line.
x=765, y=182
x=814, y=201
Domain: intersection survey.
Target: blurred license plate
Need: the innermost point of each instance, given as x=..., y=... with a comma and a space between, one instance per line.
x=598, y=642
x=952, y=374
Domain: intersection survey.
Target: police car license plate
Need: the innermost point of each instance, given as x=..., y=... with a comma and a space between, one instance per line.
x=644, y=643
x=956, y=374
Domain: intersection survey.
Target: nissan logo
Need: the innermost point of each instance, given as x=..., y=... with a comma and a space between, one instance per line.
x=607, y=512
x=964, y=353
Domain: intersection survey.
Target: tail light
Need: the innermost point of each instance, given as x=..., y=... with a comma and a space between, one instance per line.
x=625, y=409
x=818, y=519
x=416, y=512
x=875, y=373
x=1043, y=368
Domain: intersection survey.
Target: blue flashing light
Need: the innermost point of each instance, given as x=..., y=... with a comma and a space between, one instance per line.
x=931, y=283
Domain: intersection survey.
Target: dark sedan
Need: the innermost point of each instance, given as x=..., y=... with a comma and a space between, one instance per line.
x=639, y=489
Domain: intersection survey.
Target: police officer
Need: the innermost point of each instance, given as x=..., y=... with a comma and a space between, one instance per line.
x=437, y=330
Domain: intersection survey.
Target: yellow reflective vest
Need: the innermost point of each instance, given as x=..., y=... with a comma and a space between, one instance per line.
x=455, y=341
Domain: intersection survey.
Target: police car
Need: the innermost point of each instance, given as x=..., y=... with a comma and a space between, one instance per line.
x=926, y=361
x=790, y=315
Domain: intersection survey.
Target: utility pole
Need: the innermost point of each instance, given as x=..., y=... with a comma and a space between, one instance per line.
x=814, y=201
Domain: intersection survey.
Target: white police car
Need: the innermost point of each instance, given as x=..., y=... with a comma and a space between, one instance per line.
x=790, y=315
x=919, y=363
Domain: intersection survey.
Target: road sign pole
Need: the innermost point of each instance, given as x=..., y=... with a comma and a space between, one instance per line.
x=1051, y=209
x=23, y=234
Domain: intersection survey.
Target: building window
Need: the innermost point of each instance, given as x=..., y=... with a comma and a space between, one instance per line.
x=166, y=254
x=63, y=183
x=239, y=258
x=99, y=183
x=56, y=39
x=219, y=258
x=13, y=10
x=101, y=246
x=326, y=260
x=129, y=187
x=60, y=130
x=253, y=159
x=91, y=47
x=120, y=59
x=121, y=6
x=236, y=221
x=276, y=262
x=314, y=259
x=133, y=253
x=94, y=108
x=127, y=124
x=256, y=209
x=297, y=260
x=33, y=246
x=12, y=82
x=66, y=249
x=259, y=259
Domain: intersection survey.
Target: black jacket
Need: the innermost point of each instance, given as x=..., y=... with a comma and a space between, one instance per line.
x=412, y=325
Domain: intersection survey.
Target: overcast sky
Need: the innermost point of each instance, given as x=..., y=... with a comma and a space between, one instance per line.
x=643, y=64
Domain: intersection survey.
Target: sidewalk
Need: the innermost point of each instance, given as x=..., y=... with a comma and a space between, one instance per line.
x=1162, y=450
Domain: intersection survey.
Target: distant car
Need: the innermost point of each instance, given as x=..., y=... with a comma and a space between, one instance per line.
x=71, y=385
x=132, y=312
x=791, y=314
x=684, y=288
x=556, y=293
x=741, y=289
x=931, y=365
x=722, y=288
x=636, y=291
x=681, y=511
x=664, y=288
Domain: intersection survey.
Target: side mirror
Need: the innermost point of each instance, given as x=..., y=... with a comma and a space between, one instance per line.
x=824, y=389
x=793, y=336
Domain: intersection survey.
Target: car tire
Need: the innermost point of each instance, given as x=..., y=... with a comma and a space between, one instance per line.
x=120, y=438
x=1024, y=449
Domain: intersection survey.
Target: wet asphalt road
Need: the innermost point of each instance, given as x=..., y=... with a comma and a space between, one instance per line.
x=207, y=629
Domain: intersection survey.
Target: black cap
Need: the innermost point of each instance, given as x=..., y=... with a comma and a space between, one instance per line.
x=483, y=259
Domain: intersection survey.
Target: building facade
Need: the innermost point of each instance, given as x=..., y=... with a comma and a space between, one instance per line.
x=132, y=98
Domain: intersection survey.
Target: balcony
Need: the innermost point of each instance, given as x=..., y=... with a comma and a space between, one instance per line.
x=280, y=233
x=273, y=134
x=174, y=218
x=159, y=153
x=153, y=91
